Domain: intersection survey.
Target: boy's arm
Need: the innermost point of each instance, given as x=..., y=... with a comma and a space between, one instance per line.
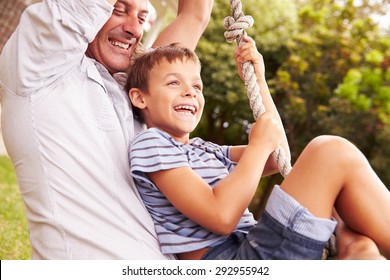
x=269, y=168
x=249, y=52
x=192, y=19
x=270, y=106
x=220, y=208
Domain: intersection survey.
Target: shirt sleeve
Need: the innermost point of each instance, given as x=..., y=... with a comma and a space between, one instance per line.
x=211, y=147
x=51, y=38
x=154, y=150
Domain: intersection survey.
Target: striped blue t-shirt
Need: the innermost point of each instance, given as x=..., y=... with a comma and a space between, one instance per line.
x=154, y=150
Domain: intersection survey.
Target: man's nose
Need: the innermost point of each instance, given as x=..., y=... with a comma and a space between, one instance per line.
x=133, y=26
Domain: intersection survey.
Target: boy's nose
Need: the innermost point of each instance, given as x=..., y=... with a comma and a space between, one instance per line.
x=190, y=92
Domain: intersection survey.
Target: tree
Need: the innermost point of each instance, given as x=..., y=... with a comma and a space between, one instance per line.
x=335, y=79
x=327, y=65
x=227, y=113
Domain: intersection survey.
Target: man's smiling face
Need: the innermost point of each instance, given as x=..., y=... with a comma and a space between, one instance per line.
x=120, y=35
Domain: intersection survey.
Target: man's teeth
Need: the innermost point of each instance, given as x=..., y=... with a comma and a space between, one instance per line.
x=119, y=44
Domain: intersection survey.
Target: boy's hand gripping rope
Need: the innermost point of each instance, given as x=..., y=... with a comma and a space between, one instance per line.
x=236, y=25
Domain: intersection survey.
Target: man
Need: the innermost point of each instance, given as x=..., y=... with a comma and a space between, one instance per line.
x=67, y=124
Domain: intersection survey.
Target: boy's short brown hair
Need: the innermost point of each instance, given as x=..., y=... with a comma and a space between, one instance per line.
x=142, y=63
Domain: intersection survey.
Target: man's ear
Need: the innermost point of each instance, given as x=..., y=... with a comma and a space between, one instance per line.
x=137, y=98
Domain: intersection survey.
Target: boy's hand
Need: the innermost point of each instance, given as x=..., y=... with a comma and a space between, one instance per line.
x=249, y=52
x=266, y=132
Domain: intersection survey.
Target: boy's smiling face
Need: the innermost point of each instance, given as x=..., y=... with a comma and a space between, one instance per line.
x=174, y=100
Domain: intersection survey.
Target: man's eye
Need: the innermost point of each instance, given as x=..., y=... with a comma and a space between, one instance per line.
x=119, y=11
x=142, y=20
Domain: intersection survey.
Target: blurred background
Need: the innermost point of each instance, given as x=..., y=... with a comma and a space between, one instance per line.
x=328, y=69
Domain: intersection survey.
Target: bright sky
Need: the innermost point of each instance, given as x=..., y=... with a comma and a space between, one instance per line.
x=385, y=21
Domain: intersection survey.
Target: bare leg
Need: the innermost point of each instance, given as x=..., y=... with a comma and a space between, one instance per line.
x=354, y=246
x=333, y=172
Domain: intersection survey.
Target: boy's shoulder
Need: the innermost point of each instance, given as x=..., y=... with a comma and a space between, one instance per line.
x=149, y=133
x=153, y=136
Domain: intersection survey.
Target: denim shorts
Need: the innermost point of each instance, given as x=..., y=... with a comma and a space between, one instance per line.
x=285, y=231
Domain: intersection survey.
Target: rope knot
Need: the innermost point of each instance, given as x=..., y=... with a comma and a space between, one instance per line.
x=236, y=27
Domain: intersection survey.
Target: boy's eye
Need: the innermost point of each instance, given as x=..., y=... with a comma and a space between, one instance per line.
x=198, y=87
x=174, y=83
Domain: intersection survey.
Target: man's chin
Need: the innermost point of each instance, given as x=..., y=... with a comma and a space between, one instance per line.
x=115, y=68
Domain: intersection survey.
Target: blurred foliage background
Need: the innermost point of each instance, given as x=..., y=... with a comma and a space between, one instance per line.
x=14, y=242
x=327, y=65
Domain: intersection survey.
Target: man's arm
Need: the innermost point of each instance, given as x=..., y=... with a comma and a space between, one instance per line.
x=51, y=38
x=189, y=25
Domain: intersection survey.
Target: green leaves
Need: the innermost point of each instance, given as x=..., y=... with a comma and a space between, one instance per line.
x=227, y=111
x=14, y=241
x=327, y=66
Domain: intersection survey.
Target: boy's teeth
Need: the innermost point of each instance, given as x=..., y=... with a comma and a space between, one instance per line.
x=119, y=44
x=191, y=109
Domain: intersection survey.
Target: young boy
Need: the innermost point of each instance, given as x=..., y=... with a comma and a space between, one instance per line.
x=198, y=192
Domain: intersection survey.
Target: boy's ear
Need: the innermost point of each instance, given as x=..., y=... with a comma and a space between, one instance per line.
x=137, y=98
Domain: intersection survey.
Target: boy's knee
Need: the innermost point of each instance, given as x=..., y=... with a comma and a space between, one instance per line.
x=328, y=141
x=336, y=149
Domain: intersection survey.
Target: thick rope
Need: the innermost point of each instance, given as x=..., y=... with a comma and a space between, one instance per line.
x=236, y=25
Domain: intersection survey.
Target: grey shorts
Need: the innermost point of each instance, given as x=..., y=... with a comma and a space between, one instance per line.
x=285, y=231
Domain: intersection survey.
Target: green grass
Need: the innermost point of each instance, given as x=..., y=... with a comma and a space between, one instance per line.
x=14, y=242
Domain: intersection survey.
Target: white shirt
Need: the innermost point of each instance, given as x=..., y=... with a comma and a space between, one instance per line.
x=67, y=126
